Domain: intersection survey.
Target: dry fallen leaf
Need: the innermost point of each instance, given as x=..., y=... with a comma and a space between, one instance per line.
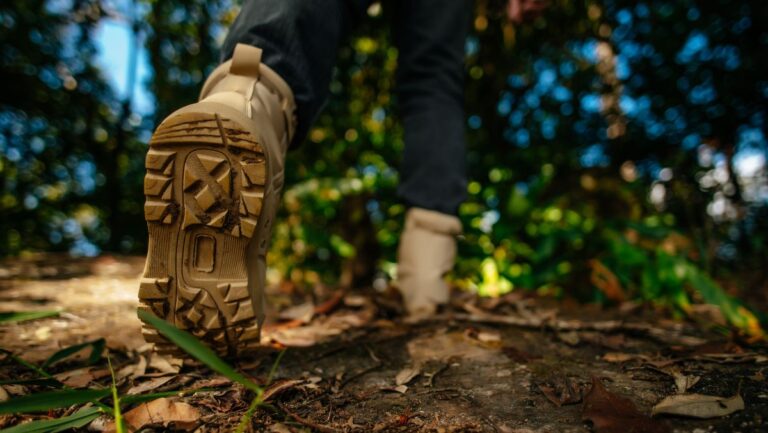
x=623, y=357
x=164, y=364
x=570, y=338
x=133, y=370
x=699, y=406
x=302, y=312
x=401, y=389
x=4, y=394
x=611, y=413
x=149, y=385
x=406, y=375
x=162, y=411
x=81, y=377
x=684, y=382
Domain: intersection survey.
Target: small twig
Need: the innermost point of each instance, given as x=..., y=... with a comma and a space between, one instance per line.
x=308, y=423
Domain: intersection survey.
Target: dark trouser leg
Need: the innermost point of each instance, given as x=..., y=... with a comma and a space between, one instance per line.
x=299, y=39
x=430, y=35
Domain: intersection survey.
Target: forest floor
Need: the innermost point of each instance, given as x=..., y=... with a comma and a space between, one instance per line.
x=512, y=364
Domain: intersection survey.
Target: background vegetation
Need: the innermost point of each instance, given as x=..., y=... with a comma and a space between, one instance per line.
x=617, y=147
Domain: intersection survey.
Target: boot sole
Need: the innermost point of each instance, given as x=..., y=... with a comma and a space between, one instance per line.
x=205, y=187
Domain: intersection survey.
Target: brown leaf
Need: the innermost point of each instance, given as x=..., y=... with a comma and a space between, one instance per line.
x=81, y=377
x=606, y=281
x=562, y=391
x=623, y=357
x=611, y=413
x=149, y=385
x=162, y=411
x=699, y=406
x=302, y=312
x=406, y=375
x=164, y=364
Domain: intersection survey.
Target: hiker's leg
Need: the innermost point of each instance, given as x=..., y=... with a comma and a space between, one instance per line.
x=299, y=39
x=430, y=36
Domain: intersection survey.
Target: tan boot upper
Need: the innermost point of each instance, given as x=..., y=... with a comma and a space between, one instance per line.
x=426, y=253
x=246, y=84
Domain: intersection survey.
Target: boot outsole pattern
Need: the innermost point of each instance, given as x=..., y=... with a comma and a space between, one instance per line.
x=204, y=187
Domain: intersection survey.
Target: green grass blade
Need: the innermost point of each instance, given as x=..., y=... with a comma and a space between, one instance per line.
x=246, y=419
x=97, y=348
x=76, y=420
x=196, y=349
x=51, y=400
x=276, y=364
x=119, y=425
x=24, y=316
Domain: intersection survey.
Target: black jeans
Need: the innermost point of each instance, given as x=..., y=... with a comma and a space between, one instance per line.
x=299, y=39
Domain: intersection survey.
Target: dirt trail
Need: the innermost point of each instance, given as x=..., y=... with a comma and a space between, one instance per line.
x=509, y=365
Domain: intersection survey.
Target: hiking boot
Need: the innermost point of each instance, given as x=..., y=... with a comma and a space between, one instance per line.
x=212, y=187
x=427, y=252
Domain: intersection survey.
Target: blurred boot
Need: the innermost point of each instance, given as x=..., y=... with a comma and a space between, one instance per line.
x=426, y=253
x=213, y=181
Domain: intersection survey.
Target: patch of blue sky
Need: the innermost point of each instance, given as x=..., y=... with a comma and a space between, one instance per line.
x=547, y=79
x=691, y=141
x=594, y=156
x=516, y=118
x=627, y=104
x=703, y=93
x=562, y=94
x=641, y=10
x=590, y=102
x=549, y=128
x=85, y=176
x=516, y=81
x=696, y=44
x=567, y=68
x=622, y=67
x=113, y=40
x=624, y=17
x=471, y=46
x=504, y=107
x=522, y=138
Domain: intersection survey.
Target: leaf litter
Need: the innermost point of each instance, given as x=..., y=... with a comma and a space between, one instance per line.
x=478, y=367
